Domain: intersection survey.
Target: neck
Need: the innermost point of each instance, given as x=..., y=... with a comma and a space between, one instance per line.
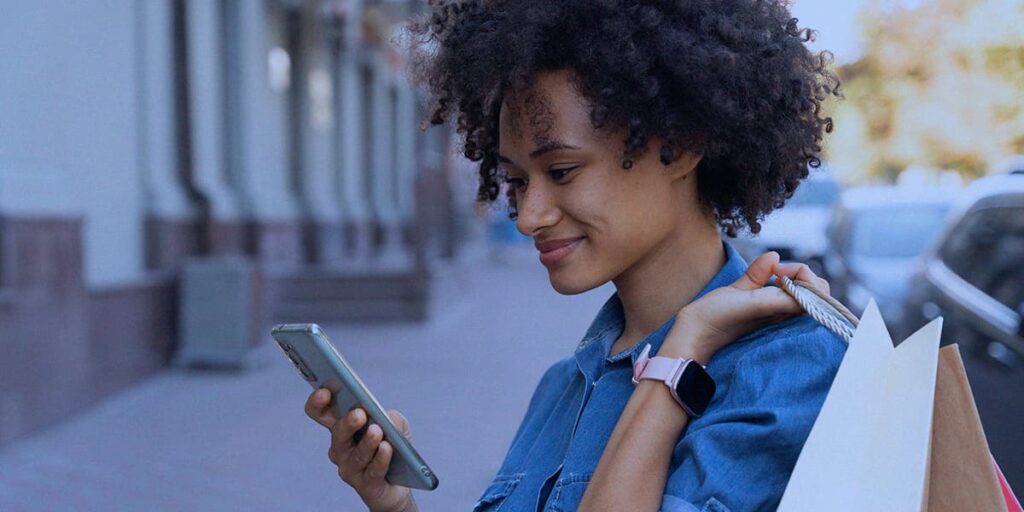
x=654, y=289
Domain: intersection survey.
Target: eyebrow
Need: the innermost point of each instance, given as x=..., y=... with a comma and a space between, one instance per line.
x=544, y=147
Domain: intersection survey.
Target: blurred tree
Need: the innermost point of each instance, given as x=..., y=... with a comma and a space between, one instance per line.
x=940, y=84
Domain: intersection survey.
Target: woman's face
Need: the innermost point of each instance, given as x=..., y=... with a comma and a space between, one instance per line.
x=591, y=219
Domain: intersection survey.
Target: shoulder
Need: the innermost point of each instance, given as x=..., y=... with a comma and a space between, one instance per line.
x=803, y=327
x=803, y=334
x=796, y=353
x=797, y=338
x=557, y=375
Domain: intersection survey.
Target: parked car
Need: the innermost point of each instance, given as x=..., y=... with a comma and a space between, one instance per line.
x=875, y=237
x=1013, y=164
x=974, y=274
x=797, y=230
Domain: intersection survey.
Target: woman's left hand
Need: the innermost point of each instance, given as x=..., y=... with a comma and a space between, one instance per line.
x=727, y=313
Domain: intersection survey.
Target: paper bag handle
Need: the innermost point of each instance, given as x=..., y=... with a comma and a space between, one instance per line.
x=825, y=309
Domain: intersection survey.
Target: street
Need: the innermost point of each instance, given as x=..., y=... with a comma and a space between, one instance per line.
x=202, y=441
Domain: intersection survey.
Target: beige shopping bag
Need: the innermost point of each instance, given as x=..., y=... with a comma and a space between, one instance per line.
x=962, y=475
x=898, y=431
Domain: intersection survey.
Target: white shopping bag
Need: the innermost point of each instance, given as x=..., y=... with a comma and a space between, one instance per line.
x=869, y=448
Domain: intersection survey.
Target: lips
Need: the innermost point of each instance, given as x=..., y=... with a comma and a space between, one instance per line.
x=553, y=251
x=551, y=245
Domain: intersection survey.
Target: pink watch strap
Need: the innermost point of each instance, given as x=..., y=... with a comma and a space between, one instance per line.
x=659, y=368
x=670, y=370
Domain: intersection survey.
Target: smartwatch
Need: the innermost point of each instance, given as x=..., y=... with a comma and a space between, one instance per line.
x=687, y=381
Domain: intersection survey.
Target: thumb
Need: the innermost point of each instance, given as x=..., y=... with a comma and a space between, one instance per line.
x=772, y=301
x=399, y=421
x=758, y=273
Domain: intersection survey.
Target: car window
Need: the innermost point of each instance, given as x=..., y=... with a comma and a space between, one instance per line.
x=903, y=231
x=986, y=249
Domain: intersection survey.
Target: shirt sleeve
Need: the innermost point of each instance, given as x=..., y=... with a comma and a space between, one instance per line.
x=739, y=455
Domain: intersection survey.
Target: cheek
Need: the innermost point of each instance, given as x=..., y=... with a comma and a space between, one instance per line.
x=622, y=221
x=634, y=206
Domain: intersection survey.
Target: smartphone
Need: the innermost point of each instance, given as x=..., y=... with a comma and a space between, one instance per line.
x=321, y=365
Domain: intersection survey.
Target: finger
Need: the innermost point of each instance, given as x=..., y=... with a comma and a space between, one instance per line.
x=364, y=452
x=343, y=432
x=318, y=407
x=400, y=423
x=795, y=270
x=378, y=467
x=804, y=273
x=759, y=272
x=771, y=301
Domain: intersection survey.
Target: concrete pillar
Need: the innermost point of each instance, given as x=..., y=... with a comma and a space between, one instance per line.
x=391, y=250
x=382, y=141
x=349, y=134
x=268, y=197
x=353, y=118
x=313, y=132
x=407, y=165
x=171, y=231
x=207, y=115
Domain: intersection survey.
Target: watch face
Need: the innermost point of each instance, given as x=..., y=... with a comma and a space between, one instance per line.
x=695, y=388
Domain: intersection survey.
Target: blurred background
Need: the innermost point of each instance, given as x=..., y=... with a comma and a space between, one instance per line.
x=176, y=176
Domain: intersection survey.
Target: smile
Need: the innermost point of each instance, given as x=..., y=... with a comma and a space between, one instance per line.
x=553, y=252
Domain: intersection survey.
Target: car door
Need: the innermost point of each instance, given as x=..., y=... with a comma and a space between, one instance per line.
x=980, y=273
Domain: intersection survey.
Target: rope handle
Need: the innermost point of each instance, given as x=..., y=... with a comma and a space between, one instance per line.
x=825, y=309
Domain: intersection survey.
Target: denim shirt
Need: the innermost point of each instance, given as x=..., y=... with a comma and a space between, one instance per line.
x=738, y=456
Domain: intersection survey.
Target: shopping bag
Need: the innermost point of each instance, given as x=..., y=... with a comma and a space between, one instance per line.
x=962, y=475
x=1012, y=503
x=899, y=429
x=869, y=447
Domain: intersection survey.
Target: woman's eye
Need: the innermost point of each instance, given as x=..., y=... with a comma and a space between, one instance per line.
x=558, y=174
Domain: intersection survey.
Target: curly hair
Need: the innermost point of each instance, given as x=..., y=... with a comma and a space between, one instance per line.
x=730, y=79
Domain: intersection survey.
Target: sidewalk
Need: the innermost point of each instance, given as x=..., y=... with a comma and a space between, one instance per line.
x=201, y=441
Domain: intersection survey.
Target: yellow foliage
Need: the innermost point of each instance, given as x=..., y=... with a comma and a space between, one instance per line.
x=940, y=84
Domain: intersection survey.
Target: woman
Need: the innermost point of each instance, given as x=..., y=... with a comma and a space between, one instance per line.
x=628, y=133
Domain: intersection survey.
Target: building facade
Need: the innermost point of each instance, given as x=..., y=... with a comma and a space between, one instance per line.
x=139, y=137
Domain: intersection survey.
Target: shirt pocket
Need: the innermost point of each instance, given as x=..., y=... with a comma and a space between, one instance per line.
x=494, y=496
x=568, y=492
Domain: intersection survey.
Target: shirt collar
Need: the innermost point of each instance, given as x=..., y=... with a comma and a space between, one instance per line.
x=607, y=326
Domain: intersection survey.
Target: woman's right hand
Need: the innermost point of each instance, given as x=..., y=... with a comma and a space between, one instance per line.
x=362, y=464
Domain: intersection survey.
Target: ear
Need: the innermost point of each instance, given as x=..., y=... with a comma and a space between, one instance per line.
x=684, y=166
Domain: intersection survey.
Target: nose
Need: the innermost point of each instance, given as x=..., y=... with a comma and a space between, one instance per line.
x=537, y=209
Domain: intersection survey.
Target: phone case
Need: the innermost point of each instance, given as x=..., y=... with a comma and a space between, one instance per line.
x=321, y=365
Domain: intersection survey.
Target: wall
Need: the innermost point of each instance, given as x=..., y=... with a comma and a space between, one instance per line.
x=68, y=124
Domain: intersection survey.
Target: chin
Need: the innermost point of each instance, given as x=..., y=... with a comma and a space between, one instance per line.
x=566, y=283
